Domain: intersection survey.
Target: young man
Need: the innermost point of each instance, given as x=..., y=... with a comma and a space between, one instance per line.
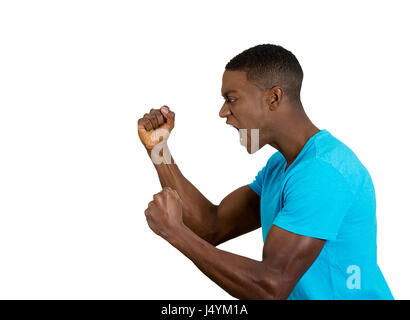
x=314, y=199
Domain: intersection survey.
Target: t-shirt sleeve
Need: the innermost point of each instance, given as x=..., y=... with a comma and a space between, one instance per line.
x=316, y=198
x=257, y=183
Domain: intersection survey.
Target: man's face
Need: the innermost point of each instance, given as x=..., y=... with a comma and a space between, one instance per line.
x=243, y=107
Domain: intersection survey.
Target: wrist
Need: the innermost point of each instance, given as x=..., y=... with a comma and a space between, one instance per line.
x=148, y=151
x=160, y=154
x=176, y=238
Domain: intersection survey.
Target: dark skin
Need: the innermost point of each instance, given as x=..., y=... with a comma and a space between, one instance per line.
x=192, y=224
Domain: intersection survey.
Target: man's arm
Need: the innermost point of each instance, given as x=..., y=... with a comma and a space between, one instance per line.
x=238, y=213
x=286, y=255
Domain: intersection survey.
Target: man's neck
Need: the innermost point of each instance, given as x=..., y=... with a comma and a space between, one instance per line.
x=293, y=139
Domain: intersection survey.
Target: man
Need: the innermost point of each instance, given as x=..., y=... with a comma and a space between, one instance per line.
x=314, y=199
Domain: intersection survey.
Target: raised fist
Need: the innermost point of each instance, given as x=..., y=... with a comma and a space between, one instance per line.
x=154, y=127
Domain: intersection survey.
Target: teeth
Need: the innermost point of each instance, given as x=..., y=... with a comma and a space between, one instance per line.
x=242, y=137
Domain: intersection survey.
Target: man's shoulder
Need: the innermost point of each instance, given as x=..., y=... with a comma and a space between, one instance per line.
x=338, y=155
x=275, y=162
x=333, y=157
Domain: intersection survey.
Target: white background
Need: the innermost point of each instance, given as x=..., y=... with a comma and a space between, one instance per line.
x=75, y=180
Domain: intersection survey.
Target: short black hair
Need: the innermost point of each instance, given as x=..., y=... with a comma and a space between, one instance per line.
x=269, y=65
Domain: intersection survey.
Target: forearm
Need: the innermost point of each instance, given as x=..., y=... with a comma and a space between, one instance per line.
x=241, y=277
x=199, y=214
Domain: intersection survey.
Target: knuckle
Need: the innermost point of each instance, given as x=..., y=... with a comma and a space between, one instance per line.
x=148, y=125
x=153, y=119
x=169, y=191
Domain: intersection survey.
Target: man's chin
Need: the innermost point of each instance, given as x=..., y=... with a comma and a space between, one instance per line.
x=252, y=151
x=249, y=141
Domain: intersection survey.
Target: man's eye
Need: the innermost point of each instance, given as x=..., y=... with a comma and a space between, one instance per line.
x=230, y=100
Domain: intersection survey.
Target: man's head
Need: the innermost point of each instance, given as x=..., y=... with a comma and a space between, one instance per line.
x=261, y=87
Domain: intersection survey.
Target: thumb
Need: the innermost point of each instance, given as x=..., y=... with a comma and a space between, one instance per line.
x=169, y=115
x=165, y=111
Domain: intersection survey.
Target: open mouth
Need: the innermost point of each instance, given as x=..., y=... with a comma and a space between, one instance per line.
x=242, y=134
x=242, y=137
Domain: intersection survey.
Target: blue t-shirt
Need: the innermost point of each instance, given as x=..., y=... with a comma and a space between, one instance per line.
x=326, y=193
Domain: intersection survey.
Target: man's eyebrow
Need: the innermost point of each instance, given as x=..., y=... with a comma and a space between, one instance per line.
x=228, y=92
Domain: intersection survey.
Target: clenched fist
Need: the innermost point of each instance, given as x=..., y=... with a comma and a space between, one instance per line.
x=164, y=213
x=154, y=127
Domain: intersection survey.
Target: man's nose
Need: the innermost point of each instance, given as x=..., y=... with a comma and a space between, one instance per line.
x=224, y=112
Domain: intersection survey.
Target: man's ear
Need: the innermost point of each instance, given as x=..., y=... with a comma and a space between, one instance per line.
x=273, y=97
